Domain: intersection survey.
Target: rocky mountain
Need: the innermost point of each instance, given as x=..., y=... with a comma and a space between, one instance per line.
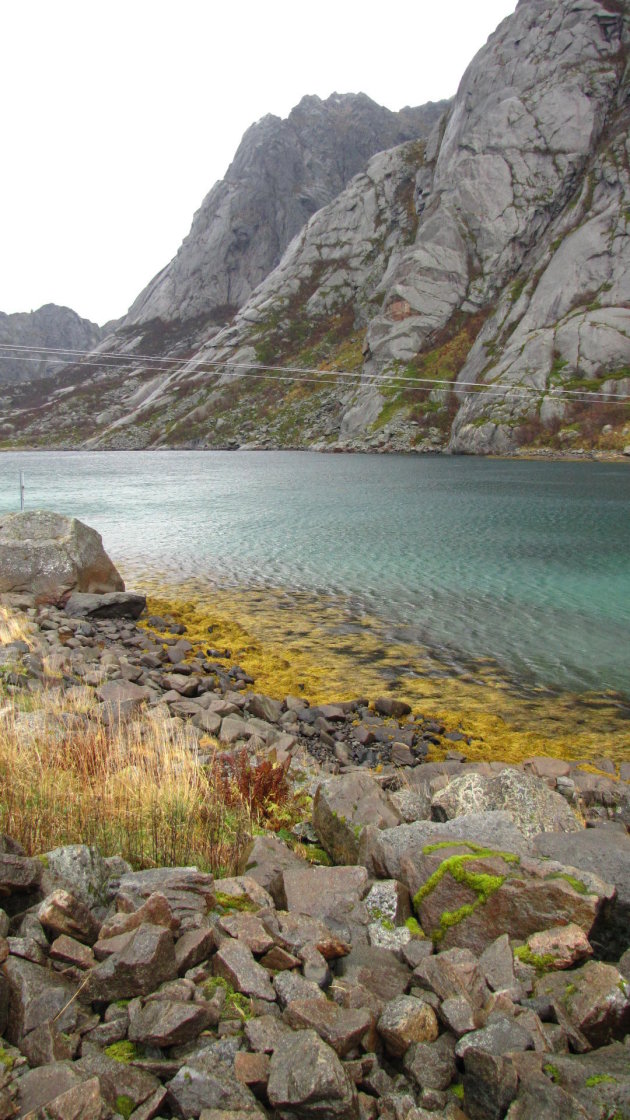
x=467, y=290
x=283, y=171
x=49, y=326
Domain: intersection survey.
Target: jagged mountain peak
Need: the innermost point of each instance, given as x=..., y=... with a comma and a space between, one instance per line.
x=283, y=171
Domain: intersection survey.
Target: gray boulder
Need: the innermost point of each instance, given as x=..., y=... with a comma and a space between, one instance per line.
x=80, y=869
x=341, y=809
x=393, y=853
x=595, y=998
x=114, y=604
x=266, y=859
x=307, y=1080
x=189, y=893
x=37, y=996
x=604, y=852
x=532, y=806
x=47, y=554
x=204, y=1081
x=144, y=963
x=597, y=1083
x=331, y=894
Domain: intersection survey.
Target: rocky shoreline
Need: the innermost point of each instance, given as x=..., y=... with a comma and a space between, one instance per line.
x=464, y=952
x=380, y=446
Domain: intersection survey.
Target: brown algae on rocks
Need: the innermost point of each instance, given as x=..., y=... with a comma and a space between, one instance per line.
x=302, y=645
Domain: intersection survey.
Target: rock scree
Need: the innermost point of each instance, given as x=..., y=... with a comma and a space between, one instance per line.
x=435, y=939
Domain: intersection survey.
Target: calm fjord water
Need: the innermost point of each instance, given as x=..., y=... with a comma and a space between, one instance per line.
x=526, y=563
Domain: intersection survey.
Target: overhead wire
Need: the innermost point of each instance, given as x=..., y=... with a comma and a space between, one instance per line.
x=72, y=356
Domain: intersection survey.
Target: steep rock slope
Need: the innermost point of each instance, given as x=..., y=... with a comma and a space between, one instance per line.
x=523, y=204
x=283, y=171
x=49, y=326
x=560, y=332
x=518, y=221
x=469, y=290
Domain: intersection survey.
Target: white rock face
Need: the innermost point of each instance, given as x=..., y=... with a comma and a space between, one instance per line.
x=48, y=326
x=527, y=114
x=340, y=254
x=526, y=181
x=568, y=333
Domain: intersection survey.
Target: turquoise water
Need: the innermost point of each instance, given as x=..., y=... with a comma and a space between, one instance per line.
x=526, y=563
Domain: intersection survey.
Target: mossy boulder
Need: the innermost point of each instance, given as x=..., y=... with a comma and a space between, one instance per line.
x=467, y=895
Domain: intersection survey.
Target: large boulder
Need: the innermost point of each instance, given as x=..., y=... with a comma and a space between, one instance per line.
x=595, y=1084
x=45, y=553
x=36, y=996
x=467, y=890
x=532, y=806
x=604, y=852
x=115, y=604
x=466, y=895
x=595, y=998
x=393, y=853
x=341, y=809
x=307, y=1080
x=331, y=894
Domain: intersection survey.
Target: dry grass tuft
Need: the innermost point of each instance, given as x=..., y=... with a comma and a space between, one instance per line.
x=139, y=791
x=138, y=788
x=14, y=627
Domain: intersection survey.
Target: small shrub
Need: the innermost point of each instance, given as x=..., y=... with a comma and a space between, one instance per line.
x=262, y=787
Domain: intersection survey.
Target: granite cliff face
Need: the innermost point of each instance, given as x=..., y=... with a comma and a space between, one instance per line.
x=50, y=326
x=283, y=171
x=467, y=290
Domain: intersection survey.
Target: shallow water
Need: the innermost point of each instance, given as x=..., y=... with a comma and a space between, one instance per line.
x=522, y=567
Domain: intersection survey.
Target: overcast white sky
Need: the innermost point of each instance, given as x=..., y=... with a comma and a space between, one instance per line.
x=119, y=117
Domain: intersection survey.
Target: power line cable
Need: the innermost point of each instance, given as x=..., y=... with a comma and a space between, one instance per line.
x=260, y=367
x=297, y=373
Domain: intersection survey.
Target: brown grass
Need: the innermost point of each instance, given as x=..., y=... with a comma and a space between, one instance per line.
x=140, y=789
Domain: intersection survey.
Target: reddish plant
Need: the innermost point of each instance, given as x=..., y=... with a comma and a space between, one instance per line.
x=261, y=785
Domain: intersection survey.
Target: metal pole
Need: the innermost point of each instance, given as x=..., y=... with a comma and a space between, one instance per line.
x=22, y=490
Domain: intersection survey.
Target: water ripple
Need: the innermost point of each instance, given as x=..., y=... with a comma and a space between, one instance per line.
x=524, y=563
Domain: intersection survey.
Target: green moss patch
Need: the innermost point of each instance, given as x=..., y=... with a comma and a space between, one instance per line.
x=235, y=902
x=481, y=883
x=124, y=1052
x=599, y=1079
x=479, y=849
x=577, y=884
x=414, y=927
x=125, y=1106
x=542, y=962
x=237, y=1006
x=5, y=1059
